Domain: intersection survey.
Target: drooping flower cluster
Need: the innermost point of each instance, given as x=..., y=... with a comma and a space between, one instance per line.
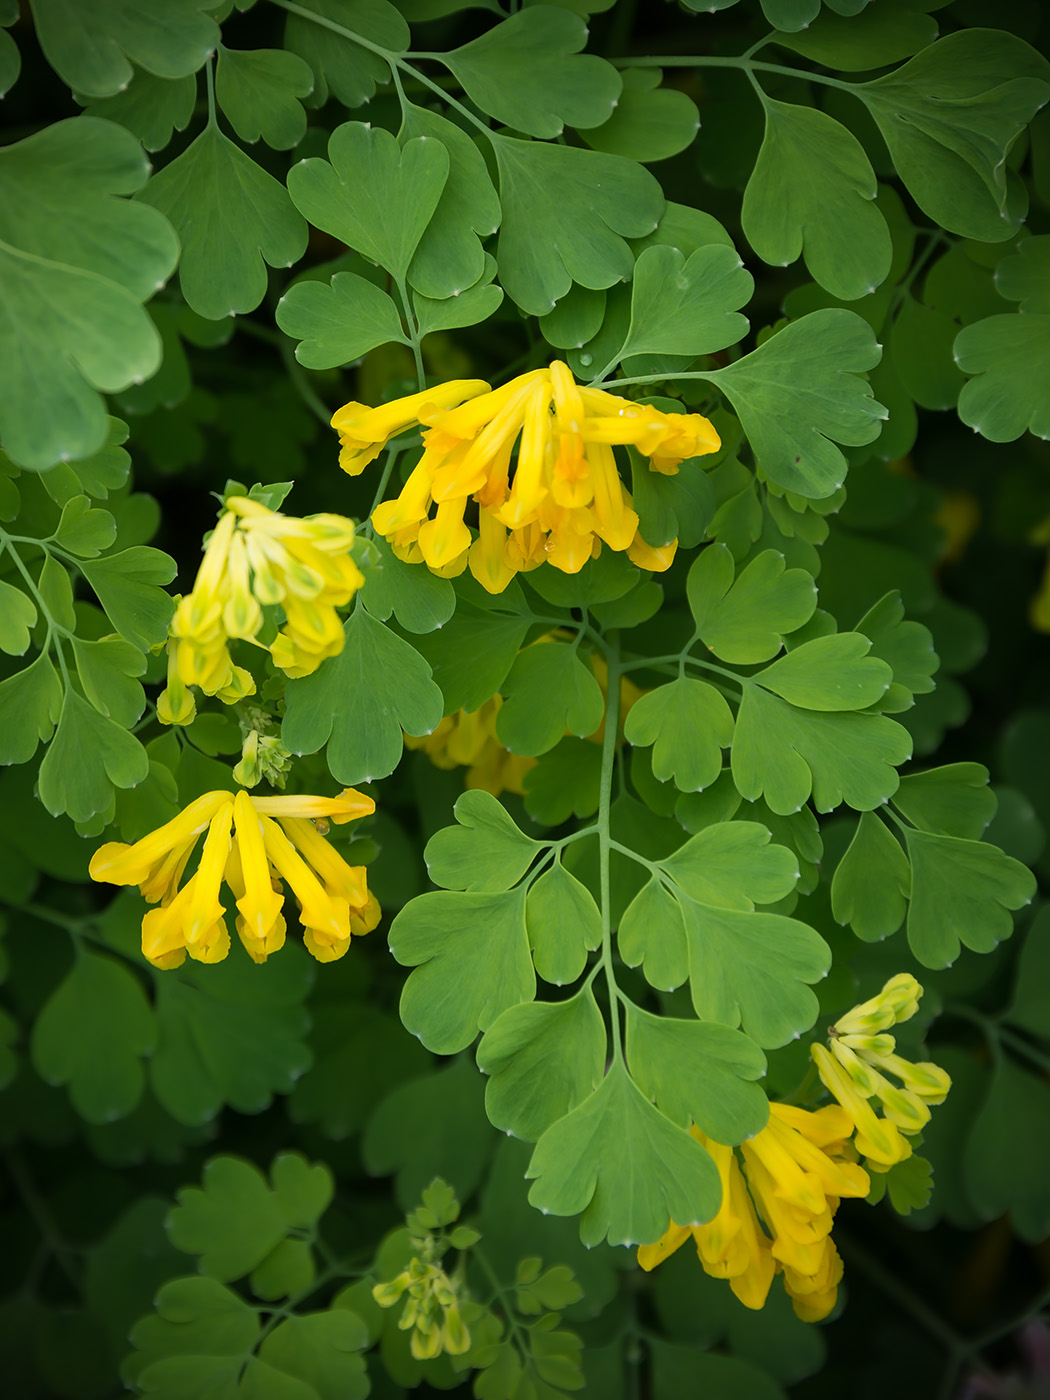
x=862, y=1055
x=431, y=1310
x=559, y=500
x=257, y=845
x=780, y=1192
x=257, y=557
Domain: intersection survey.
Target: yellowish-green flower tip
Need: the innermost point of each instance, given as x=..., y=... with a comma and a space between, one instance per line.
x=559, y=500
x=898, y=1001
x=252, y=844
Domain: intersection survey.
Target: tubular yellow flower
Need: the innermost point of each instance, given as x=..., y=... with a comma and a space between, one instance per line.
x=256, y=558
x=560, y=501
x=854, y=1072
x=431, y=1310
x=779, y=1198
x=251, y=843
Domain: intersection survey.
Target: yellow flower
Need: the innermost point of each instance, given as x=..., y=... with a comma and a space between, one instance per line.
x=431, y=1309
x=854, y=1071
x=559, y=501
x=779, y=1198
x=253, y=844
x=256, y=558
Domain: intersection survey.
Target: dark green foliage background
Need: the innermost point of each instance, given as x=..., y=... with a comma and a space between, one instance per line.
x=121, y=1084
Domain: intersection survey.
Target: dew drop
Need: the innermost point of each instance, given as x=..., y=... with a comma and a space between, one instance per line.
x=586, y=360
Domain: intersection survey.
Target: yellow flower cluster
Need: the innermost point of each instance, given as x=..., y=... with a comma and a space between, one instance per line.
x=257, y=557
x=779, y=1198
x=431, y=1310
x=468, y=738
x=862, y=1055
x=559, y=500
x=253, y=843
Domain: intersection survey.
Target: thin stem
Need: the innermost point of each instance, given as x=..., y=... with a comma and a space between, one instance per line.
x=605, y=842
x=37, y=1208
x=500, y=1292
x=412, y=326
x=302, y=385
x=209, y=75
x=742, y=63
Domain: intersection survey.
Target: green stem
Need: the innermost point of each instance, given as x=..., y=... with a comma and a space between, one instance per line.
x=209, y=76
x=412, y=326
x=36, y=1206
x=384, y=481
x=605, y=841
x=742, y=63
x=502, y=1293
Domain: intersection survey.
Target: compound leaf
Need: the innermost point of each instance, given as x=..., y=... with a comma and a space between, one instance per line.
x=652, y=932
x=733, y=866
x=872, y=883
x=961, y=893
x=471, y=958
x=699, y=1072
x=359, y=702
x=812, y=192
x=625, y=1166
x=687, y=308
x=339, y=321
x=784, y=754
x=318, y=1350
x=232, y=1220
x=829, y=673
x=371, y=193
x=951, y=801
x=258, y=91
x=72, y=322
x=485, y=852
x=30, y=704
x=1009, y=359
x=563, y=923
x=529, y=74
x=342, y=68
x=89, y=756
x=688, y=724
x=126, y=584
x=745, y=621
x=650, y=122
x=152, y=108
x=543, y=1059
x=548, y=690
x=194, y=1343
x=100, y=1005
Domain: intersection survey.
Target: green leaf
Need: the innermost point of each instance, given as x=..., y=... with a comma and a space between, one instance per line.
x=100, y=1004
x=687, y=308
x=126, y=586
x=872, y=882
x=198, y=1337
x=784, y=754
x=30, y=704
x=317, y=1350
x=565, y=782
x=232, y=1220
x=563, y=923
x=359, y=702
x=72, y=321
x=83, y=530
x=529, y=74
x=650, y=122
x=151, y=108
x=745, y=620
x=485, y=852
x=108, y=671
x=1009, y=357
x=10, y=63
x=347, y=71
x=812, y=191
x=1025, y=276
x=652, y=932
x=906, y=646
x=89, y=756
x=961, y=893
x=339, y=321
x=548, y=690
x=949, y=116
x=566, y=215
x=854, y=43
x=257, y=90
x=921, y=345
x=794, y=416
x=699, y=1072
x=17, y=616
x=433, y=1124
x=679, y=1370
x=620, y=1162
x=461, y=309
x=543, y=1059
x=90, y=46
x=373, y=195
x=232, y=218
x=471, y=958
x=752, y=970
x=689, y=724
x=208, y=1015
x=829, y=673
x=1005, y=1163
x=951, y=801
x=472, y=654
x=450, y=257
x=420, y=600
x=732, y=865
